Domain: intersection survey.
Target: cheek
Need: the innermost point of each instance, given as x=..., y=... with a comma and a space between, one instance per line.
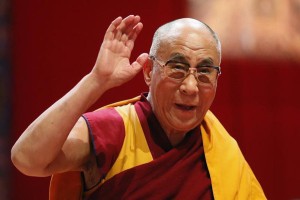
x=160, y=85
x=207, y=96
x=162, y=92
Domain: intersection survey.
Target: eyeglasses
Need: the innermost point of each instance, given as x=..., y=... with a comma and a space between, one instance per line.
x=179, y=71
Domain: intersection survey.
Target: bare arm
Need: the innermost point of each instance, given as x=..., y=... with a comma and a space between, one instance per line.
x=58, y=139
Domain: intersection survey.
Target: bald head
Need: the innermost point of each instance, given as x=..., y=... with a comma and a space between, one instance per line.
x=175, y=27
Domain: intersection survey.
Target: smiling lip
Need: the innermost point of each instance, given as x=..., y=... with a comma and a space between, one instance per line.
x=185, y=107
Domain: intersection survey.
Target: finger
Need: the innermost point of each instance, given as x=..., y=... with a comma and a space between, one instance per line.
x=127, y=26
x=135, y=32
x=124, y=38
x=130, y=24
x=133, y=35
x=120, y=29
x=127, y=23
x=112, y=27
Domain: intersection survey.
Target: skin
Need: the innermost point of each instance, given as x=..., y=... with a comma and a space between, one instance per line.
x=181, y=107
x=58, y=140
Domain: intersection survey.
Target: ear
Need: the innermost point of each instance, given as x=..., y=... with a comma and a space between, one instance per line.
x=147, y=71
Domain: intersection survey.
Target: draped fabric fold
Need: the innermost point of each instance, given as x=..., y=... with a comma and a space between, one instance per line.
x=230, y=175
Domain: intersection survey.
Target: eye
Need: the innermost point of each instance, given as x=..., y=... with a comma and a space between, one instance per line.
x=177, y=67
x=205, y=70
x=176, y=70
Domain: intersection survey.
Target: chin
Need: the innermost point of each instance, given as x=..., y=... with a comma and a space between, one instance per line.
x=185, y=129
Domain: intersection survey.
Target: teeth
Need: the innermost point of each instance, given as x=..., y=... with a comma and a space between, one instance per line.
x=189, y=107
x=185, y=107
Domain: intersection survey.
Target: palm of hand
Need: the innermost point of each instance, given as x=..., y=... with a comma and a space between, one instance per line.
x=113, y=59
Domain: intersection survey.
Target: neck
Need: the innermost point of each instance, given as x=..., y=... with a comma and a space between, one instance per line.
x=175, y=138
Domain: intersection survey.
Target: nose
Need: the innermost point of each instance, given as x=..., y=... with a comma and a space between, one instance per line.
x=189, y=85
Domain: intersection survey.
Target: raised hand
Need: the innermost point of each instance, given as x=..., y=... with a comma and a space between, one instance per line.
x=57, y=141
x=113, y=64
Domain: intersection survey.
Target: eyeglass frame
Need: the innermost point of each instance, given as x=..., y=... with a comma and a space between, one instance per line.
x=192, y=70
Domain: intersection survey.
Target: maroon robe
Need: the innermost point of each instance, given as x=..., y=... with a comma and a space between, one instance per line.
x=178, y=172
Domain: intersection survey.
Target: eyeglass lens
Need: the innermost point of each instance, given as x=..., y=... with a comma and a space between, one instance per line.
x=179, y=71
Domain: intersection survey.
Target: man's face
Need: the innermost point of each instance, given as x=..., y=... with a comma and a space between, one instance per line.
x=181, y=105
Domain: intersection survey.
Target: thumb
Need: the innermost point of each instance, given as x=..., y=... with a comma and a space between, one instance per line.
x=140, y=62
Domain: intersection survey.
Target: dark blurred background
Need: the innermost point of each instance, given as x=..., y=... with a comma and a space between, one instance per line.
x=46, y=47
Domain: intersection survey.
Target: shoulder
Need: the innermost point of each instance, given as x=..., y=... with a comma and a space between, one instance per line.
x=215, y=135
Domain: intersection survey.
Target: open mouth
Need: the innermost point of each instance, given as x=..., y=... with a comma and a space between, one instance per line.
x=185, y=107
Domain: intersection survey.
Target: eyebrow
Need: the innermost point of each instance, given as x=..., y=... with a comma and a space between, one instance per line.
x=206, y=61
x=181, y=58
x=178, y=57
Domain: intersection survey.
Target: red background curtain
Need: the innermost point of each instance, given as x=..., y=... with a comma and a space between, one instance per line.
x=55, y=43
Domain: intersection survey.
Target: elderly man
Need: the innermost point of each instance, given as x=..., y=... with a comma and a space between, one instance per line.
x=164, y=144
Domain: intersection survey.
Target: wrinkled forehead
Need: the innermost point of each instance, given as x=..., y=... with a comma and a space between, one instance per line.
x=189, y=30
x=190, y=39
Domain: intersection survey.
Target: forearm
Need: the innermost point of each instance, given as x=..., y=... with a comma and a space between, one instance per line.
x=45, y=147
x=42, y=141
